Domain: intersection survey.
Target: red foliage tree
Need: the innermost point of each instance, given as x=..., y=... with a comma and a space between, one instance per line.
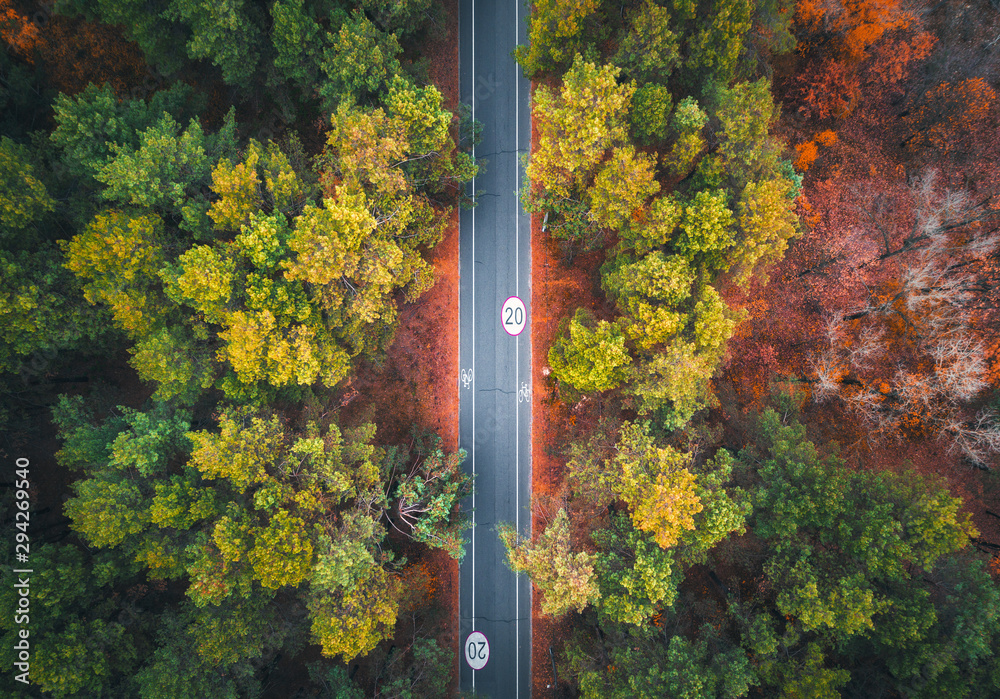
x=851, y=26
x=76, y=52
x=17, y=31
x=826, y=89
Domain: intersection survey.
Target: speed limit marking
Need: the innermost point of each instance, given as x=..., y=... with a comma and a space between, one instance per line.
x=513, y=315
x=477, y=650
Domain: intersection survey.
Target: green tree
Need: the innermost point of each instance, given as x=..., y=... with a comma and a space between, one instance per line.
x=24, y=200
x=228, y=34
x=334, y=681
x=91, y=124
x=209, y=652
x=653, y=227
x=23, y=94
x=686, y=124
x=806, y=677
x=713, y=50
x=433, y=160
x=565, y=579
x=873, y=524
x=649, y=51
x=426, y=672
x=949, y=650
x=558, y=30
x=707, y=230
x=590, y=356
x=168, y=169
x=636, y=577
x=638, y=663
x=649, y=114
x=297, y=40
x=93, y=636
x=173, y=357
x=41, y=310
x=159, y=172
x=404, y=18
x=112, y=506
x=746, y=112
x=85, y=441
x=724, y=509
x=859, y=562
x=359, y=62
x=650, y=292
x=428, y=497
x=345, y=555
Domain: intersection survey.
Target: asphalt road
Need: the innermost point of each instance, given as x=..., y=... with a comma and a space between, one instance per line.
x=495, y=374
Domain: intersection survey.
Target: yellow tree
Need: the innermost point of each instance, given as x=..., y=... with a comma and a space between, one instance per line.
x=591, y=356
x=764, y=224
x=565, y=579
x=576, y=125
x=622, y=186
x=557, y=30
x=656, y=485
x=118, y=257
x=351, y=621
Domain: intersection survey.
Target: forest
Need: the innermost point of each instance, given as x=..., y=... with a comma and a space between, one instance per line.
x=766, y=447
x=770, y=422
x=211, y=216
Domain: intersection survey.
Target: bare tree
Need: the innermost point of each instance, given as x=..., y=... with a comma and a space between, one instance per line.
x=910, y=353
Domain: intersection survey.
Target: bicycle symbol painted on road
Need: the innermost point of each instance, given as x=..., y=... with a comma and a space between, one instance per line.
x=466, y=377
x=524, y=393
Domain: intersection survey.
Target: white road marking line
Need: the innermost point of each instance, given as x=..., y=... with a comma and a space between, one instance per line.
x=517, y=362
x=473, y=334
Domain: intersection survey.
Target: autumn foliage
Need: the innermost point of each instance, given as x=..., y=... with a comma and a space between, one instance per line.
x=853, y=26
x=18, y=31
x=949, y=113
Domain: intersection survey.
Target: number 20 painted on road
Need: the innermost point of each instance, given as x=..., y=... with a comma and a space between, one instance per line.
x=477, y=650
x=513, y=315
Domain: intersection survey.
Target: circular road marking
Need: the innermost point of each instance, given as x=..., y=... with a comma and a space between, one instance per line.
x=513, y=315
x=477, y=650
